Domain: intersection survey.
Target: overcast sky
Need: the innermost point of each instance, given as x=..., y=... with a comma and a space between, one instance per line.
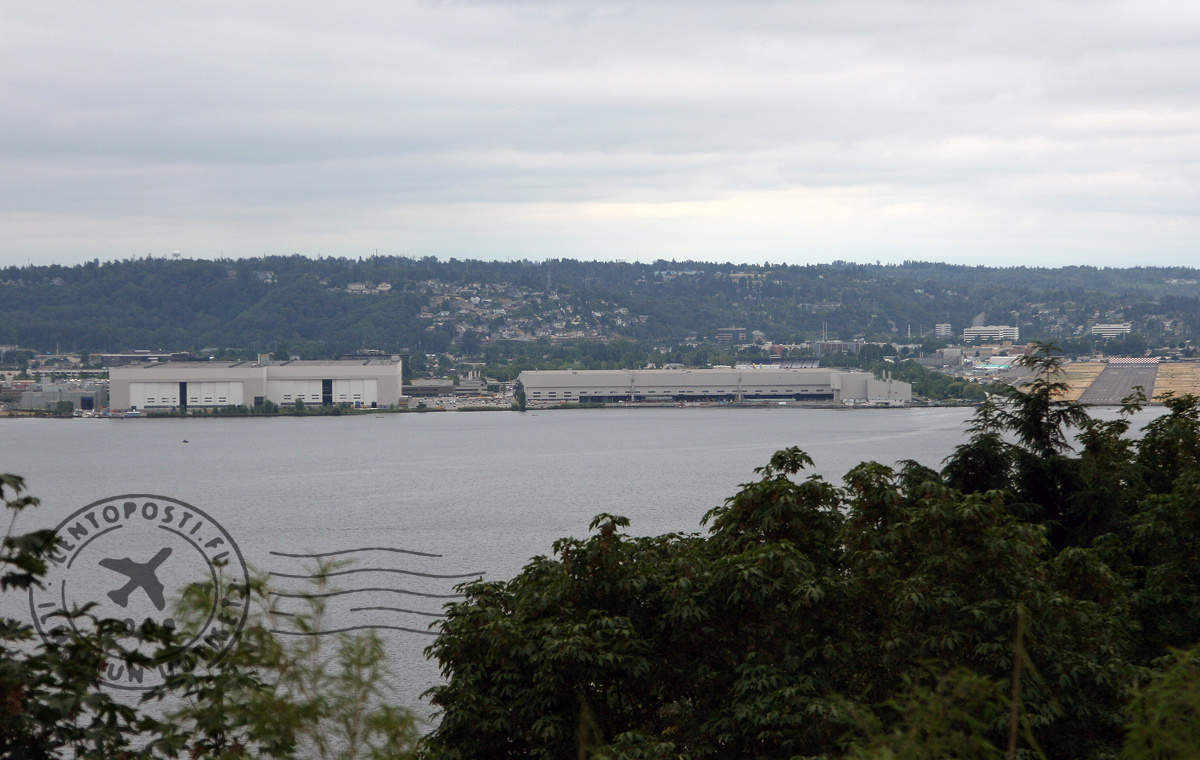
x=1041, y=133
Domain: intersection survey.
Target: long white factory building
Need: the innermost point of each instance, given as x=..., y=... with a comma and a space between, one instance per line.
x=547, y=388
x=211, y=384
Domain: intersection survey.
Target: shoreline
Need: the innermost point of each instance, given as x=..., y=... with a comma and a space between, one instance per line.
x=37, y=414
x=478, y=408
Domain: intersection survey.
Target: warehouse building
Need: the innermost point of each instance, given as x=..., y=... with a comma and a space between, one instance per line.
x=370, y=383
x=86, y=396
x=547, y=388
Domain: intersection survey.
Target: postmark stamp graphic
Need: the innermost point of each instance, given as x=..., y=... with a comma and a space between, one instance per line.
x=128, y=555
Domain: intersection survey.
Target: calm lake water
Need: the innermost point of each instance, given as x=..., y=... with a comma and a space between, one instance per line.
x=485, y=491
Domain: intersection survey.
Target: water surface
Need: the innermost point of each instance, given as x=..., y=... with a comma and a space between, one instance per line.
x=486, y=491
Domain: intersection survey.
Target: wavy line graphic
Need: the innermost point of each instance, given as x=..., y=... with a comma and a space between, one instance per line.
x=398, y=609
x=352, y=628
x=375, y=570
x=351, y=551
x=360, y=590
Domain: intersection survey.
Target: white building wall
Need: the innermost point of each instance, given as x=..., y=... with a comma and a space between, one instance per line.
x=1112, y=331
x=213, y=384
x=556, y=387
x=852, y=386
x=364, y=391
x=215, y=393
x=165, y=395
x=992, y=332
x=150, y=395
x=291, y=391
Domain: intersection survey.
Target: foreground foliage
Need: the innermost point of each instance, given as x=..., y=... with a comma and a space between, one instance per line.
x=51, y=703
x=270, y=696
x=1046, y=587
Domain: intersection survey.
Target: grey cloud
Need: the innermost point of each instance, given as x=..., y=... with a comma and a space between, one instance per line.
x=236, y=111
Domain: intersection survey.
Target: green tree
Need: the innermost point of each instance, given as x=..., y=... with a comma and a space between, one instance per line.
x=1165, y=712
x=948, y=718
x=1166, y=536
x=51, y=703
x=267, y=697
x=1170, y=445
x=1037, y=468
x=804, y=605
x=1037, y=414
x=471, y=343
x=284, y=696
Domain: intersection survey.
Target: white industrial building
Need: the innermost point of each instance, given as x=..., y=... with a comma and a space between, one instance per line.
x=552, y=387
x=372, y=383
x=992, y=332
x=1112, y=331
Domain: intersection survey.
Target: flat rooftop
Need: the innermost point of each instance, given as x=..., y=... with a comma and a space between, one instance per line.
x=250, y=363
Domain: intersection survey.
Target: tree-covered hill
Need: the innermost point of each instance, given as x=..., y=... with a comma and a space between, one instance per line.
x=324, y=306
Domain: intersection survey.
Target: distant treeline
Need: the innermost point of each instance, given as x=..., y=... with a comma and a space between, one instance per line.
x=300, y=305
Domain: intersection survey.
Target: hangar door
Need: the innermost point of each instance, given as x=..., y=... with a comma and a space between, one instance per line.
x=290, y=391
x=143, y=395
x=362, y=392
x=225, y=393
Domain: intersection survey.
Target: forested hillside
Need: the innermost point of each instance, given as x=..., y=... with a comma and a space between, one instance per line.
x=325, y=306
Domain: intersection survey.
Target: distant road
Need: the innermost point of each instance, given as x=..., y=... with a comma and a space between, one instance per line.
x=1117, y=381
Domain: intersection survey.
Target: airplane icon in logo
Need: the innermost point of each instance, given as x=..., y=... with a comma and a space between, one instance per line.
x=141, y=575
